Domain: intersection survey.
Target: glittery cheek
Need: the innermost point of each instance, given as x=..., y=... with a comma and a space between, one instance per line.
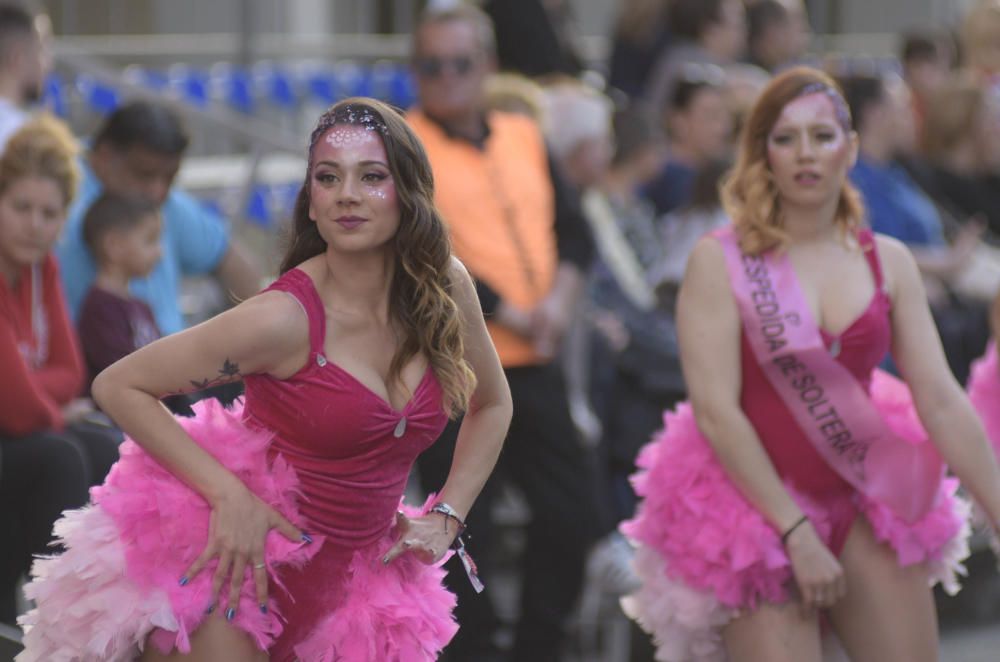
x=384, y=192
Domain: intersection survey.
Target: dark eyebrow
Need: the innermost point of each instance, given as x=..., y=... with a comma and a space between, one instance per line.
x=814, y=125
x=334, y=164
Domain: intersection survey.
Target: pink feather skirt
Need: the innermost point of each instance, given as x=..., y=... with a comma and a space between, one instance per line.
x=115, y=588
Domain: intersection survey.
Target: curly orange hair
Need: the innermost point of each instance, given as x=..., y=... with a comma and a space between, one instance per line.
x=749, y=194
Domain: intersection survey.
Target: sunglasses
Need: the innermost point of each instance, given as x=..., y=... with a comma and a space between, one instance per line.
x=434, y=67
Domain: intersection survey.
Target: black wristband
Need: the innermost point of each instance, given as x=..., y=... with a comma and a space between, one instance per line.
x=799, y=522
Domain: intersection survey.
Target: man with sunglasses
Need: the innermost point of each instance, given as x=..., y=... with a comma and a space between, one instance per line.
x=510, y=223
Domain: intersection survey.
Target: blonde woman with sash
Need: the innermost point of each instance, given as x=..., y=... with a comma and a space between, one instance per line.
x=798, y=487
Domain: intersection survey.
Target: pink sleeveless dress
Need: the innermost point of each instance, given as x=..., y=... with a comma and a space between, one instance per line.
x=984, y=392
x=705, y=553
x=326, y=452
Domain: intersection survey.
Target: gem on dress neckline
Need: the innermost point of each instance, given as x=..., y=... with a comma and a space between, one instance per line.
x=400, y=428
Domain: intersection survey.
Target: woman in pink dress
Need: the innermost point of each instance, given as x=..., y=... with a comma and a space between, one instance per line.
x=271, y=531
x=984, y=382
x=799, y=482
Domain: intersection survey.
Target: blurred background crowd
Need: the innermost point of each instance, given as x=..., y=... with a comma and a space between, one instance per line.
x=190, y=122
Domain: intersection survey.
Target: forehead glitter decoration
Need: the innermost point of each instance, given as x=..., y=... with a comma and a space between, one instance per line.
x=840, y=109
x=349, y=115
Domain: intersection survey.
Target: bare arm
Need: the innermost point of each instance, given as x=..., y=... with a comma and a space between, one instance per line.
x=995, y=318
x=268, y=333
x=479, y=439
x=259, y=335
x=554, y=314
x=708, y=326
x=941, y=403
x=485, y=424
x=237, y=272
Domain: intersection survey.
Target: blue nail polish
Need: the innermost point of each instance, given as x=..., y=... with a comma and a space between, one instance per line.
x=230, y=613
x=183, y=581
x=263, y=609
x=210, y=609
x=306, y=538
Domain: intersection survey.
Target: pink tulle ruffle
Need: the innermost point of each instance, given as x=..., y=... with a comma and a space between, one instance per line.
x=397, y=612
x=984, y=392
x=705, y=553
x=117, y=582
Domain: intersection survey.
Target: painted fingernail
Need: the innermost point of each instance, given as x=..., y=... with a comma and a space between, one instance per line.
x=306, y=538
x=385, y=560
x=210, y=609
x=183, y=581
x=230, y=613
x=263, y=608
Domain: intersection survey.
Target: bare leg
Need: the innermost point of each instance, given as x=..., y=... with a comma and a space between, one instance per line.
x=215, y=641
x=888, y=613
x=774, y=633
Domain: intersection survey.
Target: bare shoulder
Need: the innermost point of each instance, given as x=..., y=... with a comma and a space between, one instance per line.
x=461, y=279
x=275, y=320
x=706, y=264
x=892, y=249
x=459, y=272
x=898, y=265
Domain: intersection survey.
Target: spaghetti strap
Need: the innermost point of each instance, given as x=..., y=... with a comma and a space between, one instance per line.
x=866, y=238
x=298, y=284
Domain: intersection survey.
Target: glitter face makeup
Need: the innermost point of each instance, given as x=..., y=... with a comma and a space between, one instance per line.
x=353, y=197
x=809, y=150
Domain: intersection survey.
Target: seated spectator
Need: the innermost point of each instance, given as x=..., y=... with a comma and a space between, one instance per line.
x=897, y=207
x=138, y=151
x=123, y=236
x=514, y=93
x=52, y=445
x=778, y=33
x=535, y=37
x=928, y=60
x=577, y=126
x=641, y=37
x=980, y=38
x=634, y=371
x=960, y=146
x=895, y=204
x=24, y=62
x=122, y=233
x=699, y=129
x=706, y=32
x=681, y=229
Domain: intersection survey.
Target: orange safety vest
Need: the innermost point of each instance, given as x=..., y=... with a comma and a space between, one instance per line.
x=499, y=207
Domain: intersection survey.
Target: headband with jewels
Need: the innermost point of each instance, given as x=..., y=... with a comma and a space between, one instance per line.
x=840, y=108
x=353, y=114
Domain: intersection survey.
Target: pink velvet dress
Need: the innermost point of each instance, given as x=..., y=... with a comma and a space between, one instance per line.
x=705, y=552
x=984, y=392
x=324, y=450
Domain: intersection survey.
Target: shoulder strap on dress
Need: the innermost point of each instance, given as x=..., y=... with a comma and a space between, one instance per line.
x=298, y=284
x=866, y=238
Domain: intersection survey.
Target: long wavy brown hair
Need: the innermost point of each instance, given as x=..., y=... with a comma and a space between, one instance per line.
x=749, y=193
x=421, y=306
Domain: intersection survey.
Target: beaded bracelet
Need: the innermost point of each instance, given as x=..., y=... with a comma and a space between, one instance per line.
x=799, y=522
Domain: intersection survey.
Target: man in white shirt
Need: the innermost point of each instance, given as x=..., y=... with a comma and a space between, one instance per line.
x=24, y=62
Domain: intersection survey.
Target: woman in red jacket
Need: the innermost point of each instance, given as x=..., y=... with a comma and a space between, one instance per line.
x=51, y=448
